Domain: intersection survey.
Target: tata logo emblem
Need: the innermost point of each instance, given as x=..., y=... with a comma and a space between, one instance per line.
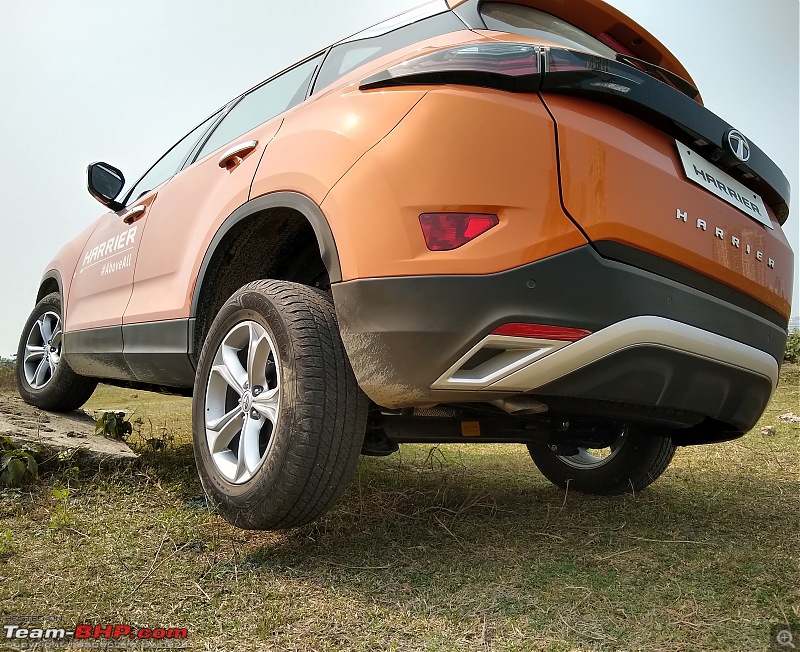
x=738, y=145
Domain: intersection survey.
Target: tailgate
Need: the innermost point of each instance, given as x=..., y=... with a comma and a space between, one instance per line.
x=639, y=183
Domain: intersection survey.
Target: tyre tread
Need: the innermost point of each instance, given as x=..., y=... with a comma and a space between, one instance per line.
x=325, y=443
x=641, y=461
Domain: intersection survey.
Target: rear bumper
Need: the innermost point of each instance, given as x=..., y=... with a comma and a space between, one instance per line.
x=660, y=350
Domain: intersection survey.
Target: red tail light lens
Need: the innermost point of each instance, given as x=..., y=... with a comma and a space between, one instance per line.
x=540, y=332
x=446, y=231
x=621, y=75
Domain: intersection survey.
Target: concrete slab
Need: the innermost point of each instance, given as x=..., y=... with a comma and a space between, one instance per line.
x=51, y=431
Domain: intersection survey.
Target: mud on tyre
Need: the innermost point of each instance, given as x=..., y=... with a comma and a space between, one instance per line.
x=278, y=418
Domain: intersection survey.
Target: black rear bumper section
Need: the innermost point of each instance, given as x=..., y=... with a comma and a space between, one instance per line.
x=656, y=376
x=402, y=333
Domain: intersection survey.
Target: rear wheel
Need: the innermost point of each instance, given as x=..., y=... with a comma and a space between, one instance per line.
x=44, y=378
x=631, y=462
x=277, y=416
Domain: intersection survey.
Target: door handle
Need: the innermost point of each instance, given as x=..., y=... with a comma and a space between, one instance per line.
x=129, y=217
x=233, y=156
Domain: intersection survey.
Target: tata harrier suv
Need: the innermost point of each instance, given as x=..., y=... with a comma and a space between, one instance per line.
x=478, y=221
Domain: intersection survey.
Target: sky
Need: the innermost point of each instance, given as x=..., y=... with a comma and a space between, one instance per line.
x=122, y=81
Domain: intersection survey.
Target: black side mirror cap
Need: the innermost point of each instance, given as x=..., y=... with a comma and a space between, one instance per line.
x=105, y=182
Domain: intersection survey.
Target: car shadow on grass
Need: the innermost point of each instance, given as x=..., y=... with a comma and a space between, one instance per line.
x=461, y=543
x=472, y=504
x=492, y=526
x=437, y=541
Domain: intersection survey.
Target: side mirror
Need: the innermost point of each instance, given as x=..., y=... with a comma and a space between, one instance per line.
x=105, y=183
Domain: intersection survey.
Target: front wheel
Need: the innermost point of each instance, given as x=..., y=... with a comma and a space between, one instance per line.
x=44, y=378
x=278, y=419
x=633, y=461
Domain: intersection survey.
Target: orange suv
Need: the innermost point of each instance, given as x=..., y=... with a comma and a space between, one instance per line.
x=478, y=221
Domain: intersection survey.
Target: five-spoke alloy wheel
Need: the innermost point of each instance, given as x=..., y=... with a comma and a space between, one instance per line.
x=277, y=416
x=42, y=350
x=44, y=378
x=242, y=401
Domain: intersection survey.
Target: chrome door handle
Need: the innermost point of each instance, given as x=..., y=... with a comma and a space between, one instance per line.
x=129, y=217
x=233, y=156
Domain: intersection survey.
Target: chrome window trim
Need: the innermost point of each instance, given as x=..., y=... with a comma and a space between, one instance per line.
x=403, y=19
x=321, y=54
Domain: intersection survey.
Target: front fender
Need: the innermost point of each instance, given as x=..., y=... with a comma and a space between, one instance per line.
x=62, y=270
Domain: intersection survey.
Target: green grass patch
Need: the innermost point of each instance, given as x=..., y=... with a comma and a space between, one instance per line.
x=434, y=548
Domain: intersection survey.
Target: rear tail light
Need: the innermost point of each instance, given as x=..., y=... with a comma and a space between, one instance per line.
x=504, y=66
x=446, y=231
x=626, y=72
x=541, y=332
x=516, y=67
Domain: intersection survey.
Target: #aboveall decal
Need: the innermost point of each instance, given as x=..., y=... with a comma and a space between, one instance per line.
x=111, y=249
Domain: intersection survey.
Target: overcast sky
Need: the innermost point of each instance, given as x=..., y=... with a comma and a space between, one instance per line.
x=121, y=81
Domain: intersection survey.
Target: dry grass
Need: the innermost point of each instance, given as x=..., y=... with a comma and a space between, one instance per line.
x=435, y=548
x=7, y=381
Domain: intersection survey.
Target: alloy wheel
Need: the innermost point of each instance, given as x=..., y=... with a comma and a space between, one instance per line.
x=242, y=401
x=43, y=350
x=591, y=458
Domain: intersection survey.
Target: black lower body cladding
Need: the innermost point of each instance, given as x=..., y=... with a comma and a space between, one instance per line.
x=403, y=333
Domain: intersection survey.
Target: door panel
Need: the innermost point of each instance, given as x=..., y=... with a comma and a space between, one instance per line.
x=103, y=280
x=191, y=206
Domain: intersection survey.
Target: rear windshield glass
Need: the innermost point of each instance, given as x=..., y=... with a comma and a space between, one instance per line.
x=516, y=19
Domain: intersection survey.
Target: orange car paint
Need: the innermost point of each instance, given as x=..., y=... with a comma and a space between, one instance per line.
x=181, y=225
x=296, y=158
x=372, y=178
x=65, y=261
x=316, y=147
x=623, y=181
x=506, y=164
x=101, y=285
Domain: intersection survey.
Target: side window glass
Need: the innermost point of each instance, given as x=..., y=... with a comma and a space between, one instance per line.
x=259, y=105
x=170, y=163
x=349, y=55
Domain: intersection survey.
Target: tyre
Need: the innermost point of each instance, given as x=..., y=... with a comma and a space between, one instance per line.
x=44, y=378
x=278, y=419
x=632, y=462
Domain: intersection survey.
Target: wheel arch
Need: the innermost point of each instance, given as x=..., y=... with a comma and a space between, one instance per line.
x=51, y=282
x=288, y=205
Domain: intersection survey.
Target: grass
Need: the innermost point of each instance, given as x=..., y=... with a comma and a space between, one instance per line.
x=435, y=548
x=7, y=381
